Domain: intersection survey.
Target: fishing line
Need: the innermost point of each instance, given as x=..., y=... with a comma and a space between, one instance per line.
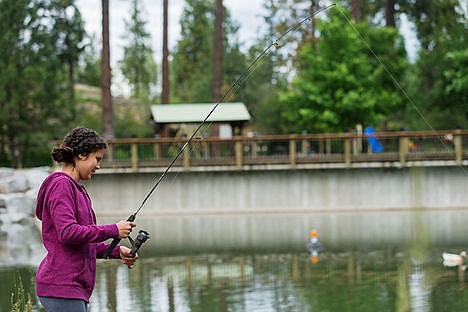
x=399, y=87
x=445, y=256
x=227, y=95
x=235, y=86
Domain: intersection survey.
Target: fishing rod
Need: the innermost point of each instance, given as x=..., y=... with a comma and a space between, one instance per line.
x=235, y=86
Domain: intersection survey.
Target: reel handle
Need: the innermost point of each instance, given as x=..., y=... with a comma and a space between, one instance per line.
x=115, y=241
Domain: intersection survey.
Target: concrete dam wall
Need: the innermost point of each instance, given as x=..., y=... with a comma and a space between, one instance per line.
x=206, y=211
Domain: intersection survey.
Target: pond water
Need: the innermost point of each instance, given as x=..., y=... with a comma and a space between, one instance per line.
x=387, y=279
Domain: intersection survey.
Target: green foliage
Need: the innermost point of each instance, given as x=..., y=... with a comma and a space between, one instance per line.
x=21, y=300
x=138, y=65
x=89, y=67
x=440, y=24
x=132, y=120
x=89, y=113
x=328, y=78
x=343, y=81
x=450, y=92
x=192, y=64
x=455, y=77
x=260, y=91
x=68, y=34
x=442, y=64
x=440, y=27
x=34, y=82
x=131, y=115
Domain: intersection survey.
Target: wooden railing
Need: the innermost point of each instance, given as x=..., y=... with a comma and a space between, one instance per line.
x=291, y=150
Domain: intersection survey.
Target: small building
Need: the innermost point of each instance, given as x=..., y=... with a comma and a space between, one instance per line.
x=176, y=120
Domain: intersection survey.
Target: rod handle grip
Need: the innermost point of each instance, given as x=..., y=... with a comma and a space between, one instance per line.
x=115, y=241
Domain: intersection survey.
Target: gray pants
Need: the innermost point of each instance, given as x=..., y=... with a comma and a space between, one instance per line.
x=52, y=304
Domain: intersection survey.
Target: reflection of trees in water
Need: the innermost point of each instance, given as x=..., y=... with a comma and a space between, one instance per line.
x=374, y=281
x=377, y=280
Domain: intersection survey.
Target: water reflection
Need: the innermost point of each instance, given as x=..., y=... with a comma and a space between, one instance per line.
x=379, y=280
x=382, y=280
x=314, y=246
x=418, y=291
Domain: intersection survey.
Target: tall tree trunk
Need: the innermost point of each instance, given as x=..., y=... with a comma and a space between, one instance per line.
x=218, y=61
x=390, y=13
x=314, y=6
x=218, y=51
x=165, y=56
x=356, y=10
x=71, y=77
x=107, y=109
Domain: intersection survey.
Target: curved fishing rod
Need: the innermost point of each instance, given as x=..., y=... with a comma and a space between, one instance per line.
x=234, y=86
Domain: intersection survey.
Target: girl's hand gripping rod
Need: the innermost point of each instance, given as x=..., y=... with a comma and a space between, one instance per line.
x=115, y=241
x=235, y=86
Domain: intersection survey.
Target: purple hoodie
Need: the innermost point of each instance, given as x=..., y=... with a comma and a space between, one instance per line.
x=71, y=237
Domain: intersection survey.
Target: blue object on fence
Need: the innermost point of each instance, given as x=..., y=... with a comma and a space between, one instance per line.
x=373, y=141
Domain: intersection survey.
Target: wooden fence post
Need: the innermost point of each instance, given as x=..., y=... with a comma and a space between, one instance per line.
x=403, y=150
x=458, y=142
x=347, y=152
x=186, y=158
x=292, y=152
x=110, y=152
x=238, y=153
x=134, y=157
x=157, y=151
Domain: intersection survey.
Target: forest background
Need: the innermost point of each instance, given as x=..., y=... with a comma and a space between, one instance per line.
x=344, y=67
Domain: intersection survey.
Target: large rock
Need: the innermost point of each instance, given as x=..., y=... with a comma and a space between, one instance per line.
x=18, y=182
x=18, y=205
x=18, y=232
x=6, y=172
x=21, y=181
x=18, y=191
x=35, y=176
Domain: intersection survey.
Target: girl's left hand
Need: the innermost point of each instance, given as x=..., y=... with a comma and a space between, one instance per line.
x=126, y=257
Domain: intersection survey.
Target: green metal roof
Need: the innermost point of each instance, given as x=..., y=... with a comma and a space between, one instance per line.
x=197, y=112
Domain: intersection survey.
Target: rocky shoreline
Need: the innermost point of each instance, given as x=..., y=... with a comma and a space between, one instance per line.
x=20, y=239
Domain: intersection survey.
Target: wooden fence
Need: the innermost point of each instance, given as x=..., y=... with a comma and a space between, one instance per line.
x=291, y=150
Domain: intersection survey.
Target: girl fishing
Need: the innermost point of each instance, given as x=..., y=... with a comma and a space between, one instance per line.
x=66, y=276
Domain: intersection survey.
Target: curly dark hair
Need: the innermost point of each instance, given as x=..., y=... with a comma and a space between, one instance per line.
x=79, y=141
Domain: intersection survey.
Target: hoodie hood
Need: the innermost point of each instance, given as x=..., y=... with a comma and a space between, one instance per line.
x=46, y=188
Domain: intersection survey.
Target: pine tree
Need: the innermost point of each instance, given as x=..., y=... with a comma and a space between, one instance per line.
x=34, y=87
x=138, y=65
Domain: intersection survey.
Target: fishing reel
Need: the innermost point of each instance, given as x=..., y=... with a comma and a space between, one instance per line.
x=142, y=237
